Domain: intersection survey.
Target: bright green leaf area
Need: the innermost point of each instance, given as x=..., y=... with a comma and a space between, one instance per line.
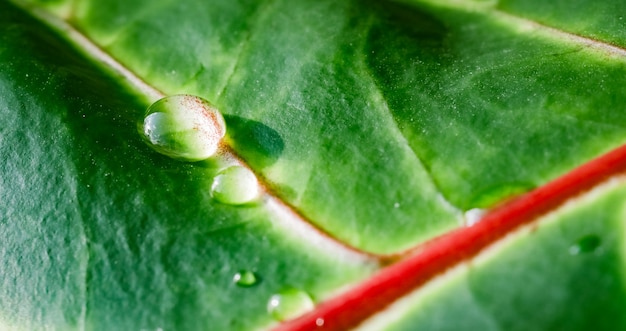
x=494, y=107
x=329, y=145
x=99, y=232
x=373, y=114
x=568, y=274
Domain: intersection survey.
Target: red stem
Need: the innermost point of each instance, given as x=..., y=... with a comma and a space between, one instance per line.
x=440, y=254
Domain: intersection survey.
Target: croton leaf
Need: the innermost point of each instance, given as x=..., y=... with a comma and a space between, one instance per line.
x=373, y=130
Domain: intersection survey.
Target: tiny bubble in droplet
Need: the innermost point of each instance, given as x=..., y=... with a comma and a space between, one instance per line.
x=245, y=278
x=289, y=303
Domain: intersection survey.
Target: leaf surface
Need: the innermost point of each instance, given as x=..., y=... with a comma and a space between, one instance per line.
x=379, y=122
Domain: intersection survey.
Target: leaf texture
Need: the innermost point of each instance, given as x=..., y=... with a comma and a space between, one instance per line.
x=378, y=123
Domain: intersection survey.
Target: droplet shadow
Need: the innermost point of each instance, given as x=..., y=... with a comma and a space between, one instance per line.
x=257, y=143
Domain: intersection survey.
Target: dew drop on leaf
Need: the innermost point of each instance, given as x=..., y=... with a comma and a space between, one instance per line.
x=235, y=185
x=289, y=303
x=245, y=278
x=184, y=127
x=586, y=244
x=473, y=216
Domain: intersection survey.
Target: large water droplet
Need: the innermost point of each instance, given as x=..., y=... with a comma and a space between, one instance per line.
x=183, y=127
x=245, y=278
x=235, y=185
x=585, y=244
x=289, y=303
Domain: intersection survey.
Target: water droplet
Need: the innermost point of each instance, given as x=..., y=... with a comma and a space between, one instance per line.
x=396, y=205
x=289, y=303
x=245, y=278
x=585, y=244
x=184, y=127
x=235, y=185
x=319, y=321
x=473, y=216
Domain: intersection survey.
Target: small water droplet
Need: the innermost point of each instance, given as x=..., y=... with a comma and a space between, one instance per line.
x=235, y=185
x=396, y=205
x=245, y=278
x=473, y=216
x=183, y=127
x=289, y=303
x=319, y=321
x=585, y=244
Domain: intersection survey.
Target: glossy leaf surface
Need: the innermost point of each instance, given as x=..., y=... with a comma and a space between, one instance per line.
x=101, y=233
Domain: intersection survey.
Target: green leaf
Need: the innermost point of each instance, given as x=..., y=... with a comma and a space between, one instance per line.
x=101, y=233
x=380, y=123
x=290, y=66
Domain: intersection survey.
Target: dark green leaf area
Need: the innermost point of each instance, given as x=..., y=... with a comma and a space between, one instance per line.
x=601, y=20
x=541, y=280
x=100, y=232
x=323, y=136
x=494, y=106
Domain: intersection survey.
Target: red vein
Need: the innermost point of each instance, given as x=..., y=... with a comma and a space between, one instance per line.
x=440, y=254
